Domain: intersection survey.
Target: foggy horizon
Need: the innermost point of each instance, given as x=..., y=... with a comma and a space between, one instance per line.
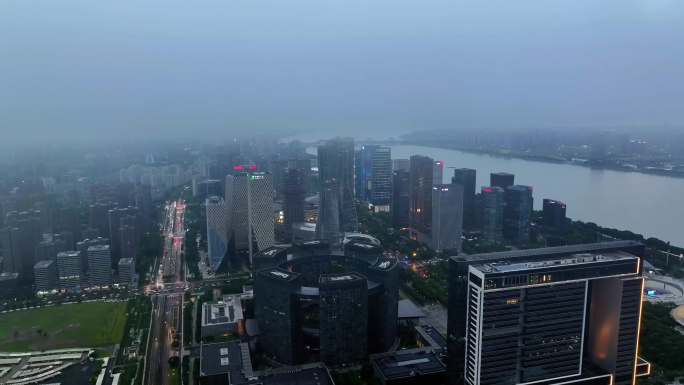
x=82, y=72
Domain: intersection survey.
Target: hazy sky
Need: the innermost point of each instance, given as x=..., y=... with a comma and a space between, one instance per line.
x=144, y=68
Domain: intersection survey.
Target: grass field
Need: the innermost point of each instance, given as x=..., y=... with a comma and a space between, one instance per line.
x=86, y=325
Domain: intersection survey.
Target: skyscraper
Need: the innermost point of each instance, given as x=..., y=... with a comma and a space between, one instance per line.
x=19, y=240
x=328, y=227
x=127, y=235
x=401, y=164
x=218, y=223
x=363, y=163
x=83, y=246
x=374, y=175
x=98, y=218
x=294, y=199
x=115, y=220
x=501, y=179
x=438, y=172
x=336, y=164
x=343, y=329
x=381, y=180
x=553, y=315
x=466, y=177
x=69, y=270
x=401, y=183
x=47, y=249
x=447, y=217
x=249, y=197
x=100, y=265
x=143, y=201
x=493, y=203
x=420, y=193
x=45, y=273
x=9, y=238
x=127, y=273
x=275, y=305
x=517, y=213
x=554, y=214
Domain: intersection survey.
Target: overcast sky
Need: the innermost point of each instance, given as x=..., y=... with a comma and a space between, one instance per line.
x=83, y=68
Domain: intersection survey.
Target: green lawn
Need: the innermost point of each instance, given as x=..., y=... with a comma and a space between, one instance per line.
x=86, y=325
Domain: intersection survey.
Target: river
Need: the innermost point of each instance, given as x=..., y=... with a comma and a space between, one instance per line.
x=651, y=205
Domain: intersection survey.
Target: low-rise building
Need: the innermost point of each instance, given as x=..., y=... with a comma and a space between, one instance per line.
x=223, y=317
x=409, y=367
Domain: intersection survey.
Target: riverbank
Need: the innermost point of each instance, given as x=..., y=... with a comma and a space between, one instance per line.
x=506, y=154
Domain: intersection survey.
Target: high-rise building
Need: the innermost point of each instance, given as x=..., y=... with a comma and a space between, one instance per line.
x=249, y=196
x=311, y=305
x=218, y=224
x=98, y=218
x=8, y=284
x=328, y=227
x=207, y=188
x=554, y=214
x=100, y=265
x=438, y=172
x=128, y=236
x=555, y=315
x=45, y=274
x=68, y=219
x=47, y=249
x=275, y=307
x=294, y=199
x=493, y=204
x=517, y=214
x=343, y=298
x=374, y=175
x=363, y=163
x=114, y=219
x=127, y=275
x=401, y=164
x=143, y=201
x=466, y=177
x=336, y=166
x=22, y=234
x=83, y=246
x=69, y=270
x=447, y=217
x=401, y=183
x=381, y=180
x=420, y=193
x=501, y=179
x=9, y=238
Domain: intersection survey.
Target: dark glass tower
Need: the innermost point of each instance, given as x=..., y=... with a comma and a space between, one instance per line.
x=400, y=198
x=447, y=217
x=501, y=179
x=492, y=202
x=336, y=164
x=517, y=214
x=420, y=195
x=466, y=177
x=554, y=214
x=329, y=226
x=343, y=328
x=275, y=306
x=294, y=199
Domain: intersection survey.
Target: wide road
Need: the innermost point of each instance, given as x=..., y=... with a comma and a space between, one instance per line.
x=167, y=299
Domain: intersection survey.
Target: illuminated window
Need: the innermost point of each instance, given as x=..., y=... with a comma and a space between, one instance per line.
x=512, y=301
